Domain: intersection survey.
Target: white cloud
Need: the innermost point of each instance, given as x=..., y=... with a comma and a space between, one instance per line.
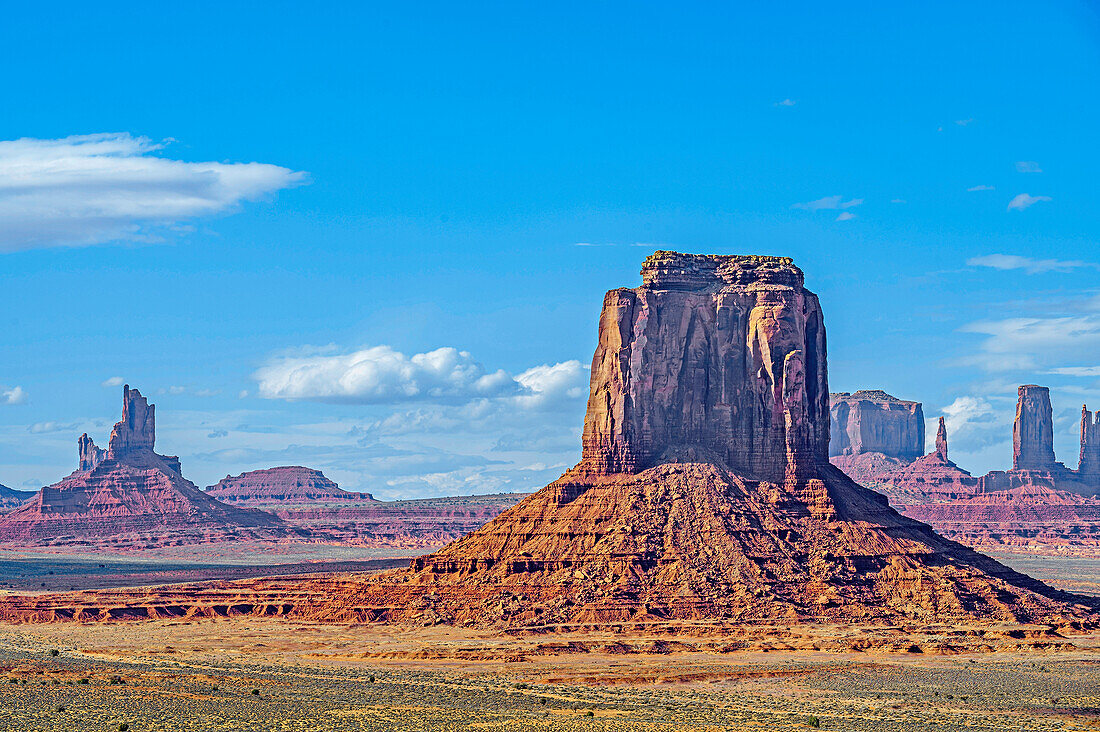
x=1028, y=166
x=1085, y=371
x=114, y=381
x=845, y=216
x=973, y=189
x=40, y=428
x=898, y=200
x=828, y=203
x=1034, y=342
x=964, y=122
x=787, y=103
x=90, y=189
x=1024, y=200
x=382, y=375
x=15, y=395
x=1029, y=265
x=964, y=413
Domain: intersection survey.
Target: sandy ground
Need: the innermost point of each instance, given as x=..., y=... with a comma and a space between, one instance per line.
x=270, y=674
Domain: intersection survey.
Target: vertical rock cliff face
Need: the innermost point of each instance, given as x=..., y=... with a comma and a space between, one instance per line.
x=874, y=421
x=726, y=353
x=1033, y=432
x=1090, y=444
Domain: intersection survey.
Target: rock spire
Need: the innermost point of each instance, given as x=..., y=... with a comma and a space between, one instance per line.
x=1033, y=430
x=89, y=455
x=941, y=441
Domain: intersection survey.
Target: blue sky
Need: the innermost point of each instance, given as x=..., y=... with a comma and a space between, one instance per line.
x=274, y=217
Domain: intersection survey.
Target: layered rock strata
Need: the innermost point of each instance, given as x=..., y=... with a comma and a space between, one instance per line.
x=287, y=484
x=130, y=495
x=931, y=479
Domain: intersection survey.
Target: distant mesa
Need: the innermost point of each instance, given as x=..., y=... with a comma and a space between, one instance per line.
x=287, y=484
x=872, y=432
x=130, y=494
x=11, y=498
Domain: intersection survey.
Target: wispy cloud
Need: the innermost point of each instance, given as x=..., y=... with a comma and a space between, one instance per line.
x=1025, y=200
x=113, y=381
x=1029, y=265
x=845, y=216
x=828, y=203
x=91, y=189
x=1083, y=371
x=973, y=189
x=15, y=395
x=1028, y=166
x=1027, y=343
x=787, y=103
x=964, y=122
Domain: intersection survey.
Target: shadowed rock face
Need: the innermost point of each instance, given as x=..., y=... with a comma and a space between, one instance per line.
x=726, y=353
x=1033, y=432
x=874, y=421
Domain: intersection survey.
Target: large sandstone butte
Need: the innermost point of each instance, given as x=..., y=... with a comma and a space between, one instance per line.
x=286, y=484
x=704, y=490
x=129, y=493
x=872, y=432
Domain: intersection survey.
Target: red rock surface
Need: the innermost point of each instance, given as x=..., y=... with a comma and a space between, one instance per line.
x=1034, y=518
x=288, y=484
x=1089, y=464
x=130, y=495
x=933, y=478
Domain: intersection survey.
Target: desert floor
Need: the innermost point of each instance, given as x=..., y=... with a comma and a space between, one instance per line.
x=273, y=674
